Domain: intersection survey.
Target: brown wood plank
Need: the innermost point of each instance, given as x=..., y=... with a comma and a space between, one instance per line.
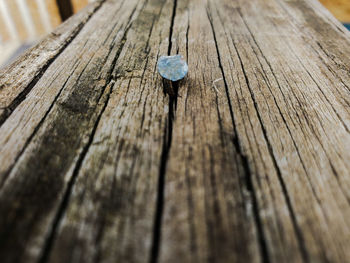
x=292, y=105
x=208, y=202
x=76, y=87
x=247, y=160
x=115, y=194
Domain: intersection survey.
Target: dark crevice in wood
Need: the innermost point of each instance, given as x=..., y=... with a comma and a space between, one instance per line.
x=71, y=183
x=160, y=194
x=22, y=96
x=63, y=206
x=187, y=31
x=297, y=230
x=171, y=27
x=8, y=110
x=247, y=171
x=65, y=9
x=172, y=91
x=167, y=139
x=65, y=201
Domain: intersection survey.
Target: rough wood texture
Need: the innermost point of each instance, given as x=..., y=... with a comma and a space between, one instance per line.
x=246, y=160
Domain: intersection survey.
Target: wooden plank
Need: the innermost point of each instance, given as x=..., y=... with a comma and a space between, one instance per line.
x=206, y=177
x=123, y=171
x=246, y=160
x=98, y=52
x=86, y=52
x=291, y=104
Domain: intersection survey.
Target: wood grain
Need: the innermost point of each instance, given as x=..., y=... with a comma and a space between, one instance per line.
x=245, y=160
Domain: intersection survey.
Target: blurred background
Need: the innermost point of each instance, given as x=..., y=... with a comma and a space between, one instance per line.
x=340, y=9
x=24, y=22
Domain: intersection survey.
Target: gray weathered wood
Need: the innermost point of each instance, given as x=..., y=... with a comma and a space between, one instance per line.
x=245, y=160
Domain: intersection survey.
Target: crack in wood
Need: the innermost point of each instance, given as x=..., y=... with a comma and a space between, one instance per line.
x=30, y=138
x=167, y=139
x=64, y=204
x=110, y=168
x=238, y=147
x=279, y=173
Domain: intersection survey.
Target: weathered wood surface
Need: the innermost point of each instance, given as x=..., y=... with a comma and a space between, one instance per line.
x=100, y=164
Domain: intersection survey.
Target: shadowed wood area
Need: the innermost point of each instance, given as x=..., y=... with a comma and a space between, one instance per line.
x=247, y=159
